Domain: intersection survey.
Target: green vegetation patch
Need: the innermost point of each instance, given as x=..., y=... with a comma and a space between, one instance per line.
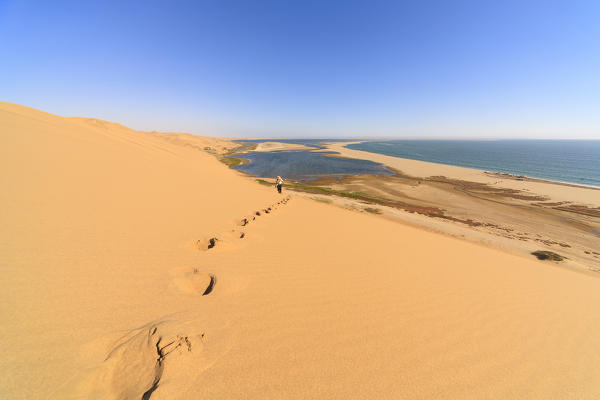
x=241, y=150
x=547, y=255
x=327, y=191
x=233, y=161
x=229, y=158
x=263, y=182
x=367, y=198
x=432, y=212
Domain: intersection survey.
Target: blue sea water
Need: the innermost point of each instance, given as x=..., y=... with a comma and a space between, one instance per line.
x=305, y=165
x=575, y=161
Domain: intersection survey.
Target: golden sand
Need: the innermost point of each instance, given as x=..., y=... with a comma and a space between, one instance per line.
x=278, y=146
x=106, y=271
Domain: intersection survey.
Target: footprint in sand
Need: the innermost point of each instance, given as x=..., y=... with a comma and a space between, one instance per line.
x=235, y=234
x=207, y=244
x=220, y=240
x=195, y=282
x=211, y=285
x=136, y=362
x=212, y=241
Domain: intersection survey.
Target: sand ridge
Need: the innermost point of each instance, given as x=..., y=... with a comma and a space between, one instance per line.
x=280, y=146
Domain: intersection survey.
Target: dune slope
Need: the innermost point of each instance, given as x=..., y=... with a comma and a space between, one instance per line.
x=138, y=268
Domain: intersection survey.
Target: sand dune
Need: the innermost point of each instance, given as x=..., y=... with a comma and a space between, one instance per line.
x=136, y=266
x=277, y=146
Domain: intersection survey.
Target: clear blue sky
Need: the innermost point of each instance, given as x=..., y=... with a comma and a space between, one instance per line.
x=310, y=68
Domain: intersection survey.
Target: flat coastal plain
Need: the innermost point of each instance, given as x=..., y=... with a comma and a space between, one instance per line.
x=514, y=213
x=135, y=265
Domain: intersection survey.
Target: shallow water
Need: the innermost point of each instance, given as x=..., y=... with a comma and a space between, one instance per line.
x=305, y=165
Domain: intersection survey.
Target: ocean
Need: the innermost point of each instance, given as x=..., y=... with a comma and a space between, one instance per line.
x=574, y=161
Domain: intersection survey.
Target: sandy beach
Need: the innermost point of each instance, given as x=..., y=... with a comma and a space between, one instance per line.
x=422, y=169
x=519, y=215
x=135, y=265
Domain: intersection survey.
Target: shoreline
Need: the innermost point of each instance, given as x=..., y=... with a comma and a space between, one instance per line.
x=343, y=152
x=507, y=174
x=588, y=194
x=519, y=216
x=336, y=146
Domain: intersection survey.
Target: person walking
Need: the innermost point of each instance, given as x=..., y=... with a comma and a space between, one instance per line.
x=279, y=183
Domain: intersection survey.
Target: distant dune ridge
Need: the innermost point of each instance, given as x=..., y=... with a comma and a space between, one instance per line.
x=278, y=146
x=135, y=265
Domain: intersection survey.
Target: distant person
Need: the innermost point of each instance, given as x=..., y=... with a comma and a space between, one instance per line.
x=279, y=183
